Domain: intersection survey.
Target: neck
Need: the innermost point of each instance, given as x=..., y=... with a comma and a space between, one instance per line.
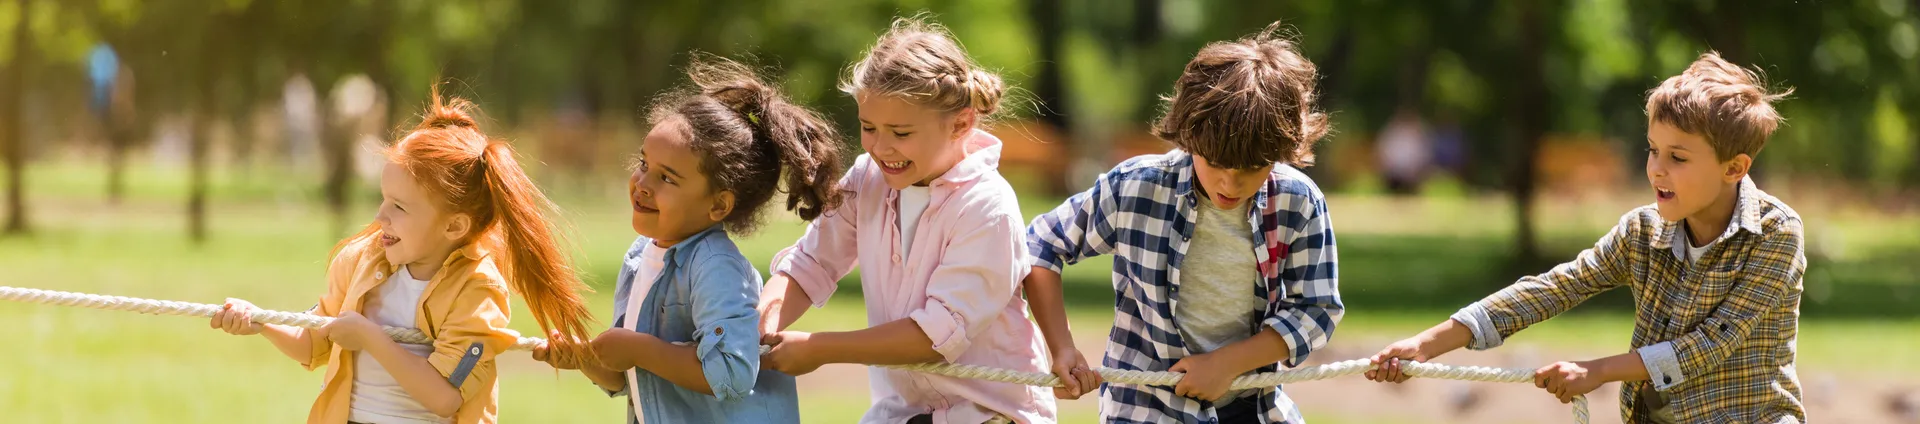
x=1710, y=223
x=425, y=268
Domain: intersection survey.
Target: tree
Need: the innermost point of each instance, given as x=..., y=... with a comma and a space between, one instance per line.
x=12, y=88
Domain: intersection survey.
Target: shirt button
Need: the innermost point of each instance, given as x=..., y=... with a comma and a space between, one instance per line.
x=1667, y=379
x=719, y=331
x=896, y=258
x=379, y=275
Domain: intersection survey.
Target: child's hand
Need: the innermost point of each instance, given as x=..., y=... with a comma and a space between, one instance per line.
x=1076, y=378
x=789, y=353
x=614, y=348
x=542, y=353
x=1566, y=380
x=353, y=332
x=1205, y=378
x=1387, y=362
x=236, y=318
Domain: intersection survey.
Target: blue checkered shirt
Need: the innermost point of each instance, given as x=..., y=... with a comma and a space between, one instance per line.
x=1142, y=212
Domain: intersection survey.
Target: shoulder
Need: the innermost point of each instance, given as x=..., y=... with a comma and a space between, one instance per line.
x=1288, y=189
x=716, y=255
x=1159, y=168
x=1776, y=218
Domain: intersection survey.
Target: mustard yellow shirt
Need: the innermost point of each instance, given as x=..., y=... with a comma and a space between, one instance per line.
x=464, y=310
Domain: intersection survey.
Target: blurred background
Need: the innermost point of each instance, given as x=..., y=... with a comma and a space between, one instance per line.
x=203, y=149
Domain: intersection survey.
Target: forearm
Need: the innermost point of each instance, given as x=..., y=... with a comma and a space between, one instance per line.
x=295, y=342
x=417, y=377
x=1045, y=299
x=608, y=380
x=1623, y=367
x=782, y=302
x=1445, y=337
x=894, y=343
x=1265, y=348
x=676, y=363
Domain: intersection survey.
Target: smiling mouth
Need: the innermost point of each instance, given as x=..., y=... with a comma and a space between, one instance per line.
x=388, y=240
x=640, y=208
x=1663, y=194
x=894, y=166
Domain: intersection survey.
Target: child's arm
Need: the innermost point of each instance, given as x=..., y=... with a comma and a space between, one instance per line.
x=1075, y=230
x=621, y=349
x=810, y=271
x=463, y=349
x=967, y=291
x=1487, y=323
x=415, y=375
x=612, y=381
x=1769, y=281
x=1297, y=321
x=725, y=359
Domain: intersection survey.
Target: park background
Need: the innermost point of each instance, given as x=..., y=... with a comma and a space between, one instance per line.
x=203, y=149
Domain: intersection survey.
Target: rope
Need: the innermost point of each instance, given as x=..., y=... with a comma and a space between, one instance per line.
x=1120, y=376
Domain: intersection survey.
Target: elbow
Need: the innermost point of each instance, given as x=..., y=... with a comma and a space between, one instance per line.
x=446, y=406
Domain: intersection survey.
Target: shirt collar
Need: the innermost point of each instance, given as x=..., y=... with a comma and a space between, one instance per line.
x=1746, y=216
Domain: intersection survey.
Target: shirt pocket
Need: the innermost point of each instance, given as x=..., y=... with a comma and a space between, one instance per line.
x=675, y=317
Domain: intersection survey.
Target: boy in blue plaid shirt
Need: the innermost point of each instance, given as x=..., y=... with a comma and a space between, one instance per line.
x=1715, y=266
x=1224, y=254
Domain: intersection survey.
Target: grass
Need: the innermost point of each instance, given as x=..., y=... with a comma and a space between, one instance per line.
x=269, y=243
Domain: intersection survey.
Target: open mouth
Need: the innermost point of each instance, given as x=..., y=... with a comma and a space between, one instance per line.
x=894, y=167
x=388, y=240
x=1663, y=194
x=642, y=208
x=1225, y=200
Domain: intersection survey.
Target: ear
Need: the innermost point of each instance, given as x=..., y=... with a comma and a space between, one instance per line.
x=963, y=123
x=722, y=206
x=459, y=226
x=1735, y=169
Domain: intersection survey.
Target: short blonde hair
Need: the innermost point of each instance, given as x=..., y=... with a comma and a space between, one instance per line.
x=1726, y=104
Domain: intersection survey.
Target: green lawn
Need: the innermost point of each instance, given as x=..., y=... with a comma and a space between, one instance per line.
x=269, y=243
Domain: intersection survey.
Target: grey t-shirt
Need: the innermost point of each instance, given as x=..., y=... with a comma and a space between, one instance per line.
x=1217, y=302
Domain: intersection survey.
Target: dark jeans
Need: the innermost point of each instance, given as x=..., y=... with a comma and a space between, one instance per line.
x=1242, y=410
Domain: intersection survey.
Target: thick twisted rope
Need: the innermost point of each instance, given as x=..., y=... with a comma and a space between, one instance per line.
x=1149, y=378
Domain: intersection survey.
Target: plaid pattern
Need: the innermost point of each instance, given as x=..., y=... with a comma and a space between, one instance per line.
x=1143, y=213
x=1717, y=334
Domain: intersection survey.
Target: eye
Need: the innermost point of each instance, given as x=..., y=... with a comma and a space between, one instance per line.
x=897, y=134
x=866, y=129
x=667, y=179
x=1678, y=159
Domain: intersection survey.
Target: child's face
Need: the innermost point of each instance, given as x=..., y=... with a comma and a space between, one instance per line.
x=414, y=225
x=1225, y=187
x=912, y=145
x=1686, y=174
x=671, y=197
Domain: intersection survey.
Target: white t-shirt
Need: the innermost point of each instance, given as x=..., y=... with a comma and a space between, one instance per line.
x=377, y=396
x=1217, y=306
x=652, y=260
x=913, y=202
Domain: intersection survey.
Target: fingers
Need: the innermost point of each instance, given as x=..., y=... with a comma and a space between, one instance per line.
x=1068, y=383
x=1394, y=372
x=770, y=339
x=1089, y=379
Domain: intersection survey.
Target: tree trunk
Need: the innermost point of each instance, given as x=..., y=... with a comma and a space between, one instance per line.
x=1531, y=111
x=1050, y=84
x=15, y=136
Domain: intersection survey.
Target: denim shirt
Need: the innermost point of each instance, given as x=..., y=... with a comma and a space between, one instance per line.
x=705, y=297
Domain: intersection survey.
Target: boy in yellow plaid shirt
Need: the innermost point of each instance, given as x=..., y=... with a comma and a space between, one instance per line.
x=1715, y=267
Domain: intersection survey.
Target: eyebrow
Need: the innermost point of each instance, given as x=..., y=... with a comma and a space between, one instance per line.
x=893, y=126
x=670, y=170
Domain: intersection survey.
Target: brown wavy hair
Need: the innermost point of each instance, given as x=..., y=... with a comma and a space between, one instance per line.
x=1246, y=103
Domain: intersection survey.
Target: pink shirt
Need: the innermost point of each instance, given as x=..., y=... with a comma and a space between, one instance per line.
x=961, y=285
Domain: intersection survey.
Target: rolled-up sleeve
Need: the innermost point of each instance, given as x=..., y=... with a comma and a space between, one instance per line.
x=828, y=250
x=727, y=342
x=463, y=351
x=970, y=289
x=1306, y=315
